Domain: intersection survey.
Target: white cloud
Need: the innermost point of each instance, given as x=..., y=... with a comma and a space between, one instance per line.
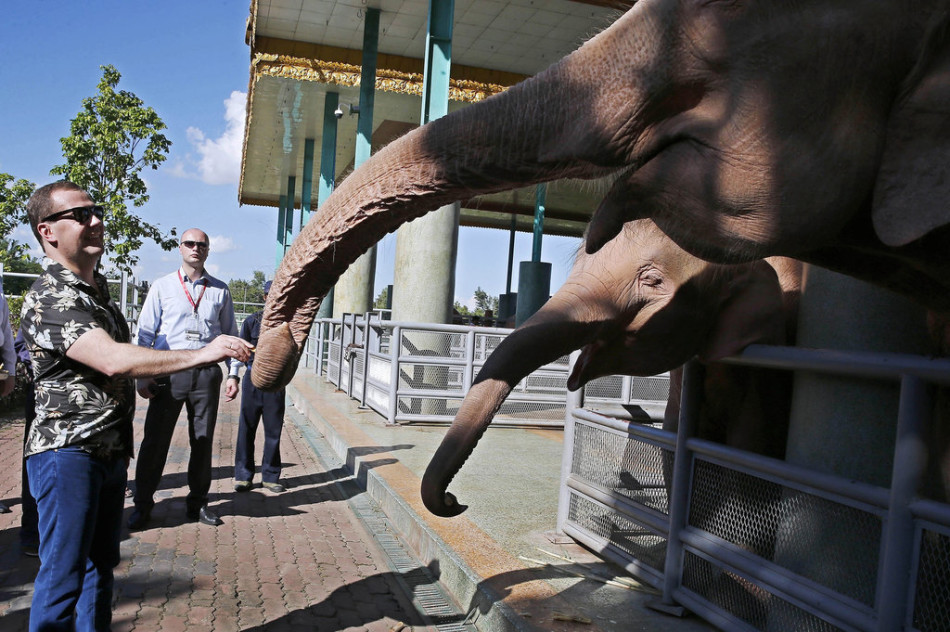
x=221, y=244
x=219, y=159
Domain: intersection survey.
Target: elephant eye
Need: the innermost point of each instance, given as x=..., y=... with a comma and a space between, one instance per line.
x=651, y=278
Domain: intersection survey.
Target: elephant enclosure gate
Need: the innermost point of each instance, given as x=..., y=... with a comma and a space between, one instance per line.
x=753, y=543
x=421, y=372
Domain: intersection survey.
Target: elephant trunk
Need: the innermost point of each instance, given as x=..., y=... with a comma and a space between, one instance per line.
x=554, y=331
x=560, y=123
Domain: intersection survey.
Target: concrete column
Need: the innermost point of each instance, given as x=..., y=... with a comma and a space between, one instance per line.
x=426, y=248
x=424, y=276
x=840, y=425
x=328, y=174
x=843, y=426
x=354, y=290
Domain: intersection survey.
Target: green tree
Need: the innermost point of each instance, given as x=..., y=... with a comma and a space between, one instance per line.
x=14, y=194
x=485, y=302
x=112, y=139
x=382, y=299
x=247, y=292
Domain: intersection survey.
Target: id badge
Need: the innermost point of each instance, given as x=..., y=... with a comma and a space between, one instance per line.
x=192, y=335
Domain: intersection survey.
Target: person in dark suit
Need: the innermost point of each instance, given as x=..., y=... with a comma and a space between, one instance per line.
x=255, y=405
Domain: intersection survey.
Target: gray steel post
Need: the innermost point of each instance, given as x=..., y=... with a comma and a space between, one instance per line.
x=469, y=376
x=395, y=343
x=318, y=365
x=365, y=358
x=349, y=373
x=339, y=376
x=574, y=400
x=910, y=456
x=682, y=472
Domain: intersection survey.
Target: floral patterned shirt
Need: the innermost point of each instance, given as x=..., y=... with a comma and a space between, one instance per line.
x=75, y=404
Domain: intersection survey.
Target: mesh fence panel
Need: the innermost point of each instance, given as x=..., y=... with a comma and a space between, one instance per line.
x=610, y=386
x=655, y=388
x=736, y=595
x=432, y=344
x=430, y=377
x=623, y=464
x=485, y=345
x=829, y=543
x=625, y=536
x=932, y=602
x=436, y=408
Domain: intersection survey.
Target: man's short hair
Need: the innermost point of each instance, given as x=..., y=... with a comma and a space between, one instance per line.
x=40, y=203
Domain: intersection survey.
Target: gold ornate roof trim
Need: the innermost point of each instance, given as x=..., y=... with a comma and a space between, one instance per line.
x=344, y=74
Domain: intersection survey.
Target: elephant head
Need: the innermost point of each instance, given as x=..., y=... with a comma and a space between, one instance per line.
x=639, y=306
x=808, y=128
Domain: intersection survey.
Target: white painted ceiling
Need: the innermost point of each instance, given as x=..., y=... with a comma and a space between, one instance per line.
x=519, y=36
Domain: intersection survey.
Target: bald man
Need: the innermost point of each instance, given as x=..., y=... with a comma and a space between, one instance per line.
x=186, y=309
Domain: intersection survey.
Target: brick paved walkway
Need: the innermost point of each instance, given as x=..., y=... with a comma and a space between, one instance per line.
x=301, y=560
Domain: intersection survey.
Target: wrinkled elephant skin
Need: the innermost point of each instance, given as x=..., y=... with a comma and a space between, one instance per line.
x=815, y=129
x=639, y=306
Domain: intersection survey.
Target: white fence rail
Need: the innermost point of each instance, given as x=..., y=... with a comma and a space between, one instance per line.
x=421, y=372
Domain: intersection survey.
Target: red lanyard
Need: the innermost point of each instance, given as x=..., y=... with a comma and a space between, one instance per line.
x=194, y=304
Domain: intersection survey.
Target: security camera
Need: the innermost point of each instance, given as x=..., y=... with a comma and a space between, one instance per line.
x=338, y=112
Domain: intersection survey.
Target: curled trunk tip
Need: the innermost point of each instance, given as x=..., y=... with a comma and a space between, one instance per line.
x=275, y=359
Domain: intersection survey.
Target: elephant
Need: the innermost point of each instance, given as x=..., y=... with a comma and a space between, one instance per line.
x=811, y=129
x=641, y=306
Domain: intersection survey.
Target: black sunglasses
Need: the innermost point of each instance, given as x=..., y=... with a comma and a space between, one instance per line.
x=195, y=244
x=81, y=214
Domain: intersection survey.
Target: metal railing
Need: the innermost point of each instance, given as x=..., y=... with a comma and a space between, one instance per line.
x=753, y=543
x=420, y=372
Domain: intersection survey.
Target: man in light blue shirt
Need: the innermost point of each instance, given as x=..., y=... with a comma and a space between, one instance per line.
x=183, y=310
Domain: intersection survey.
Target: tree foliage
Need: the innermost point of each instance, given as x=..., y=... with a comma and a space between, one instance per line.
x=382, y=300
x=112, y=139
x=484, y=302
x=14, y=194
x=248, y=292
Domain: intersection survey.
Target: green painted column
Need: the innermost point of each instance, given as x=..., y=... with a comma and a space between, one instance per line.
x=507, y=302
x=281, y=221
x=328, y=175
x=354, y=290
x=426, y=249
x=306, y=189
x=289, y=213
x=534, y=277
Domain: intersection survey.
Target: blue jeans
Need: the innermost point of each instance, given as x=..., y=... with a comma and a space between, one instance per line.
x=80, y=499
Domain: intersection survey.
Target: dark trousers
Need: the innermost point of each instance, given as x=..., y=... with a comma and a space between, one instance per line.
x=198, y=391
x=255, y=404
x=29, y=520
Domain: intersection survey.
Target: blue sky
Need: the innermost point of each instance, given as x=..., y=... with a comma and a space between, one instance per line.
x=189, y=62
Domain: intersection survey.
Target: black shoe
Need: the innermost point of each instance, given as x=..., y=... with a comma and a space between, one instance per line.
x=139, y=519
x=4, y=508
x=204, y=516
x=242, y=486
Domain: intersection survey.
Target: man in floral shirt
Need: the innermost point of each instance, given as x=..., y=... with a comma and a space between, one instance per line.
x=79, y=446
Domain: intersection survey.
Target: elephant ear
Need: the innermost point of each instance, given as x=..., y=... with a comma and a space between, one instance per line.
x=751, y=312
x=913, y=182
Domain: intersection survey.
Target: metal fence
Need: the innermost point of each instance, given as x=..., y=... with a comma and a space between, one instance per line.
x=753, y=543
x=421, y=372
